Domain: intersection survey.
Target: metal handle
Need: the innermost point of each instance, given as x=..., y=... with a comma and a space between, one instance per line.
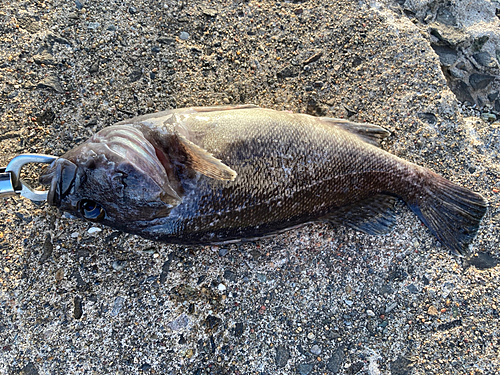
x=11, y=183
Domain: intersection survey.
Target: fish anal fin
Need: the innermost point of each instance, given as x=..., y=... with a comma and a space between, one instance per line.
x=374, y=215
x=203, y=162
x=369, y=133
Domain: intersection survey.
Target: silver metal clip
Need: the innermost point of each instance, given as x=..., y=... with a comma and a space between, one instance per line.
x=10, y=182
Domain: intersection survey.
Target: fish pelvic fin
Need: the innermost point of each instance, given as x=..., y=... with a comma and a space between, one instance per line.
x=369, y=133
x=451, y=212
x=375, y=215
x=203, y=162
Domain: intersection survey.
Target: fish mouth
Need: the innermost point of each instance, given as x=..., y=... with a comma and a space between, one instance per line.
x=60, y=175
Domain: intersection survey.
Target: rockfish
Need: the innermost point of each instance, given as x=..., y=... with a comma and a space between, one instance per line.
x=223, y=174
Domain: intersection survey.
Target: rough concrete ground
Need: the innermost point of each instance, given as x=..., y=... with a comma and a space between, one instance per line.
x=79, y=298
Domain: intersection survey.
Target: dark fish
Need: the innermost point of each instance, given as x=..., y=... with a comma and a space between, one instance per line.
x=223, y=174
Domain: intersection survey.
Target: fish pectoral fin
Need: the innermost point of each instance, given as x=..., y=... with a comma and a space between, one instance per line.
x=369, y=133
x=375, y=215
x=202, y=161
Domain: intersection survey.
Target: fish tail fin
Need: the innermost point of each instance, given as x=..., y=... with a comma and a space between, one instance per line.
x=451, y=212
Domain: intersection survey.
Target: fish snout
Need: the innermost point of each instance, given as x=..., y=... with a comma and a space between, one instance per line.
x=60, y=176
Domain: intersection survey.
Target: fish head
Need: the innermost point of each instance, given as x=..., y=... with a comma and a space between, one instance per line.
x=116, y=178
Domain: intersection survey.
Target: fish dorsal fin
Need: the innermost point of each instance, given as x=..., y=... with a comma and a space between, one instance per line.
x=202, y=161
x=367, y=132
x=374, y=215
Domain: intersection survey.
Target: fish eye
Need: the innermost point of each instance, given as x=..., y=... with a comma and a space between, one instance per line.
x=91, y=210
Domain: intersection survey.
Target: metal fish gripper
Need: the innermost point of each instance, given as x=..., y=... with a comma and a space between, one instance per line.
x=10, y=182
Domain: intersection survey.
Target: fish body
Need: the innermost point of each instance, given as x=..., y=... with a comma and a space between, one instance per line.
x=223, y=174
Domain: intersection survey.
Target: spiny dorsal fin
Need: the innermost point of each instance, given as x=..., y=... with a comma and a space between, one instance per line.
x=368, y=132
x=202, y=161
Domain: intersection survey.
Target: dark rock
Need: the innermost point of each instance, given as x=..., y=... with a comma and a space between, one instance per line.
x=230, y=275
x=135, y=75
x=47, y=249
x=29, y=369
x=82, y=253
x=448, y=35
x=485, y=59
x=430, y=118
x=449, y=325
x=386, y=289
x=288, y=71
x=412, y=289
x=238, y=329
x=478, y=43
x=155, y=49
x=336, y=360
x=444, y=15
x=212, y=322
x=223, y=251
x=91, y=122
x=493, y=96
x=80, y=283
x=282, y=356
x=46, y=117
x=94, y=68
x=50, y=82
x=400, y=366
x=305, y=368
x=111, y=28
x=78, y=5
x=354, y=368
x=44, y=57
x=132, y=10
x=165, y=40
x=461, y=90
x=165, y=268
x=447, y=55
x=78, y=310
x=52, y=38
x=480, y=81
x=145, y=367
x=482, y=261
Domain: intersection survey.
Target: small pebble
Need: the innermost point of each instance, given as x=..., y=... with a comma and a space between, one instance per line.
x=118, y=265
x=221, y=287
x=311, y=336
x=184, y=35
x=432, y=311
x=180, y=322
x=117, y=306
x=93, y=25
x=316, y=350
x=305, y=368
x=223, y=251
x=94, y=230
